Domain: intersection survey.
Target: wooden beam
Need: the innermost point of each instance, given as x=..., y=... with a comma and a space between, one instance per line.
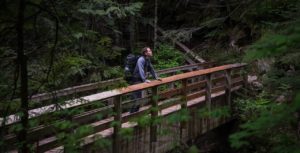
x=96, y=85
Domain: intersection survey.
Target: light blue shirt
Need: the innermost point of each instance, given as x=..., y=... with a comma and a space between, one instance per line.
x=142, y=66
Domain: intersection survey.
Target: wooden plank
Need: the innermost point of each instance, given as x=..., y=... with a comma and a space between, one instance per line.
x=72, y=90
x=191, y=87
x=96, y=85
x=66, y=105
x=196, y=94
x=169, y=102
x=186, y=67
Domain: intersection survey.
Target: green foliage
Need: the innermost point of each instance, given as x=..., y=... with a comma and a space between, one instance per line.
x=281, y=43
x=127, y=133
x=71, y=65
x=276, y=45
x=222, y=56
x=143, y=121
x=250, y=108
x=193, y=149
x=167, y=56
x=163, y=131
x=71, y=138
x=64, y=41
x=115, y=123
x=101, y=143
x=217, y=112
x=109, y=8
x=269, y=126
x=272, y=128
x=181, y=116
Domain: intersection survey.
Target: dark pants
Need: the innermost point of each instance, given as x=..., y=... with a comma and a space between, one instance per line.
x=136, y=95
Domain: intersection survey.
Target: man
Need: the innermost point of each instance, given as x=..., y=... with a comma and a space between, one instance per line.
x=143, y=65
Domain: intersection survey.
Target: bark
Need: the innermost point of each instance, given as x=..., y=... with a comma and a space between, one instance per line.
x=131, y=28
x=22, y=62
x=155, y=25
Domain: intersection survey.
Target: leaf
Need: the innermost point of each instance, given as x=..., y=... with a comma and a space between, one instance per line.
x=78, y=35
x=193, y=149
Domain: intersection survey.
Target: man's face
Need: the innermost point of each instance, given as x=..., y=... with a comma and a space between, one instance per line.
x=149, y=52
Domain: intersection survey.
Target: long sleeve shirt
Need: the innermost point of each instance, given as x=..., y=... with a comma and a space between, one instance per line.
x=142, y=66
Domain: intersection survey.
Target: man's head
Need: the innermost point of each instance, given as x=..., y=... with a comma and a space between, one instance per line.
x=146, y=51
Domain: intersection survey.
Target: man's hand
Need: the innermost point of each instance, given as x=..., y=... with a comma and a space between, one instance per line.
x=147, y=81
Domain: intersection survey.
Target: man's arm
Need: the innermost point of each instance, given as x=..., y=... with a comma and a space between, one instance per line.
x=154, y=75
x=140, y=65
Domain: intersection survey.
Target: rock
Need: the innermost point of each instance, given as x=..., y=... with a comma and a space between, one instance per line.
x=264, y=65
x=257, y=85
x=251, y=78
x=281, y=99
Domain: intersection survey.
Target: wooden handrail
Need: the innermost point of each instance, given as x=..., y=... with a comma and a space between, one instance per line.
x=92, y=86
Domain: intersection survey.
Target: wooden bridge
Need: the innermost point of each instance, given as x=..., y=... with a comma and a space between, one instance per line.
x=197, y=87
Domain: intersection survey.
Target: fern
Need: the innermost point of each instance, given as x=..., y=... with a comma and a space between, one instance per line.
x=167, y=56
x=272, y=125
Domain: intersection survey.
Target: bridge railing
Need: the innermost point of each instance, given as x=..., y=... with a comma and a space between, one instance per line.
x=190, y=89
x=101, y=84
x=43, y=102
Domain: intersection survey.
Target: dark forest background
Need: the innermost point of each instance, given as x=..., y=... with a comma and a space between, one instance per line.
x=46, y=45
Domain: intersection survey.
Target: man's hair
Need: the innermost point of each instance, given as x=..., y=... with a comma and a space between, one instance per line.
x=144, y=50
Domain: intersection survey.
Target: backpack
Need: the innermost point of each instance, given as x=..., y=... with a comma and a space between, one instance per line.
x=130, y=63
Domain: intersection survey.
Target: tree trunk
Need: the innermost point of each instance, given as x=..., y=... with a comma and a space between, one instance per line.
x=155, y=25
x=131, y=28
x=22, y=61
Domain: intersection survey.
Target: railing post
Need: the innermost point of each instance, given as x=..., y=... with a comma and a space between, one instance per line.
x=208, y=88
x=184, y=93
x=245, y=81
x=154, y=115
x=172, y=85
x=117, y=126
x=228, y=87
